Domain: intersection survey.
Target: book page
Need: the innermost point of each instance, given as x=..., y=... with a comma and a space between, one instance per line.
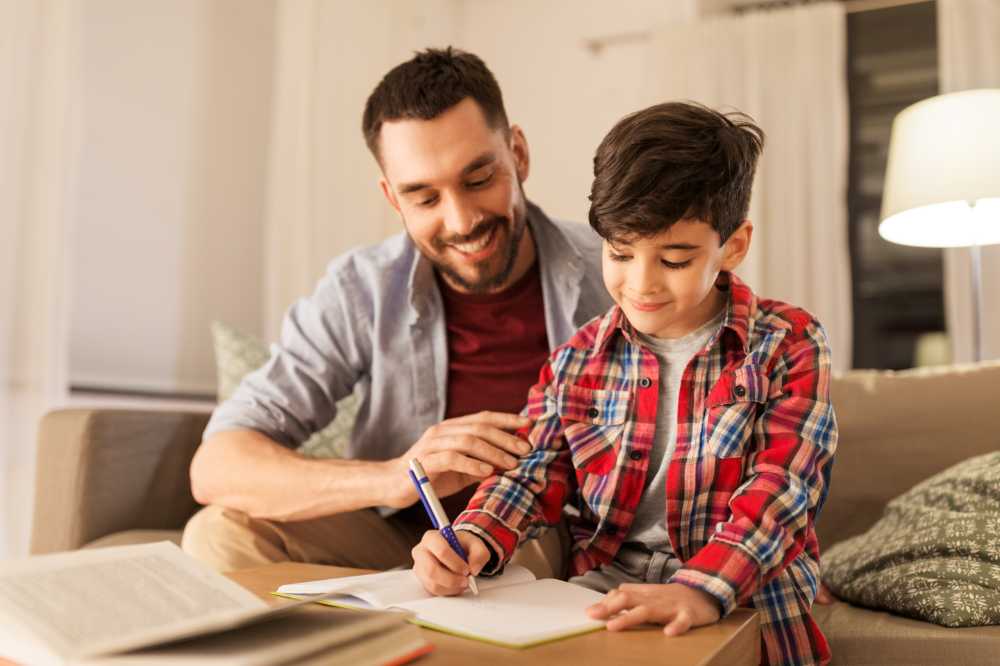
x=97, y=601
x=391, y=588
x=515, y=615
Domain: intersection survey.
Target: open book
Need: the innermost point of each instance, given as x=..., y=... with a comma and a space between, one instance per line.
x=104, y=606
x=513, y=610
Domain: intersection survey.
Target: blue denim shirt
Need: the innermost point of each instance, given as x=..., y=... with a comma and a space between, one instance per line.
x=376, y=321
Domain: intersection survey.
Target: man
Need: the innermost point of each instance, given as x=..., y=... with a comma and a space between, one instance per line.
x=444, y=327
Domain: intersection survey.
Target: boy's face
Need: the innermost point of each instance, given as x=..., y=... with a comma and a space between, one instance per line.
x=665, y=284
x=456, y=183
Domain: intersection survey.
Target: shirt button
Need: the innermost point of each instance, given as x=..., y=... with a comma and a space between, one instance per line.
x=592, y=412
x=645, y=382
x=740, y=391
x=635, y=455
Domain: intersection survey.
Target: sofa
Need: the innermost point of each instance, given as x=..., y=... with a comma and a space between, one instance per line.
x=110, y=477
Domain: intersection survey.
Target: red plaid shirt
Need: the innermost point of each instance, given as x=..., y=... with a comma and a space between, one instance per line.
x=755, y=440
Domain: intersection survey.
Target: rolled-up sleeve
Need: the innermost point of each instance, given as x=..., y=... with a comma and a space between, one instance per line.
x=323, y=349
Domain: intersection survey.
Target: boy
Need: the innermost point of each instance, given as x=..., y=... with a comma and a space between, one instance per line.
x=689, y=429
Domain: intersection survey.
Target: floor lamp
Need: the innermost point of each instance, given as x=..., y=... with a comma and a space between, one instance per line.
x=942, y=181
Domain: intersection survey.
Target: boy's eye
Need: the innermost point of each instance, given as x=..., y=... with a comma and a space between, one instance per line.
x=614, y=256
x=674, y=266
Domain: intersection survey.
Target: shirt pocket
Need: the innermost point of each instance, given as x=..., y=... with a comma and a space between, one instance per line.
x=593, y=422
x=732, y=407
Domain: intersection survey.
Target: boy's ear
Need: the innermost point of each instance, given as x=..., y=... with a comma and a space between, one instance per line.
x=735, y=248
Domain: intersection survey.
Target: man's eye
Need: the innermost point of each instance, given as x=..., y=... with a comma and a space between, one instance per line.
x=429, y=201
x=675, y=266
x=481, y=182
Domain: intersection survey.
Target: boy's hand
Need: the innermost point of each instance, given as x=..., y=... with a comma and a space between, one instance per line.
x=824, y=596
x=440, y=569
x=677, y=606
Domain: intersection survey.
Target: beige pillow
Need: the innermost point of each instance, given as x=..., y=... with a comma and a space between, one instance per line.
x=238, y=354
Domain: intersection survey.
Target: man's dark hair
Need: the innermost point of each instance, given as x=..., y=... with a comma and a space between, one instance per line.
x=429, y=84
x=673, y=161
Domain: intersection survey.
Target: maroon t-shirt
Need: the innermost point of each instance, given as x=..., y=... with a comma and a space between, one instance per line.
x=496, y=346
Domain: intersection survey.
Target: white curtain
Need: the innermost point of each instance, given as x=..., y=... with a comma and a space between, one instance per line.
x=969, y=57
x=37, y=41
x=323, y=197
x=787, y=69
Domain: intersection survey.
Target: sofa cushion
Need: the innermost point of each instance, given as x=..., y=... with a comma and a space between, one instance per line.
x=238, y=354
x=861, y=637
x=934, y=555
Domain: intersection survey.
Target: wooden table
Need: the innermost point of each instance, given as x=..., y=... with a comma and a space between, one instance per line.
x=735, y=641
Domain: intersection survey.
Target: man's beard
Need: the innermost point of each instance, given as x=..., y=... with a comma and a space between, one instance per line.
x=514, y=229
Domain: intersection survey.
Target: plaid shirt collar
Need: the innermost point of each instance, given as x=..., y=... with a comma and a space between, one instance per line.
x=741, y=306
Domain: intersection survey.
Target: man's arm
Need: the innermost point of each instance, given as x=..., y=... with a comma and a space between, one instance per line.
x=248, y=471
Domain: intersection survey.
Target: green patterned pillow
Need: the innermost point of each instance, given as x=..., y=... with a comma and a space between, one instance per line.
x=238, y=354
x=935, y=553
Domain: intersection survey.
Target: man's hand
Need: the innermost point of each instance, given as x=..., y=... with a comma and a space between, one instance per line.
x=676, y=606
x=440, y=569
x=459, y=452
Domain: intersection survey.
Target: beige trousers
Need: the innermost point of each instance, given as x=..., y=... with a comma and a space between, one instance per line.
x=227, y=539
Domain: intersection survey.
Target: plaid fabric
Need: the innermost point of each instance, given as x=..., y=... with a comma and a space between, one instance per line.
x=755, y=441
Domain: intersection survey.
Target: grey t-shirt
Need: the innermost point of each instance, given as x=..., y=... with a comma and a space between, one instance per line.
x=649, y=527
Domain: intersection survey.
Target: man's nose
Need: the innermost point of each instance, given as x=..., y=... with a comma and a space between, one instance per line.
x=461, y=217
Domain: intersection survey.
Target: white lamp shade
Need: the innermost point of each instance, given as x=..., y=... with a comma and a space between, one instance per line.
x=942, y=182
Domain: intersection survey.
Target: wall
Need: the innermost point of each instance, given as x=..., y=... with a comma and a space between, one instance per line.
x=563, y=95
x=176, y=100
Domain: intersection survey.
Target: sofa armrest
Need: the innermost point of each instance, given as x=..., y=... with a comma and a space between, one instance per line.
x=102, y=471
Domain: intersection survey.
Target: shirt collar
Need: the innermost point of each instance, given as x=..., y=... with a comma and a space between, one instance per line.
x=740, y=308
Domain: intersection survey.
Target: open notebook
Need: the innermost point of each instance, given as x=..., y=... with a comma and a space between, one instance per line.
x=513, y=610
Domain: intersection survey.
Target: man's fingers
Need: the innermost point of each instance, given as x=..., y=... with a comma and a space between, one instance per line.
x=631, y=618
x=452, y=461
x=502, y=420
x=680, y=624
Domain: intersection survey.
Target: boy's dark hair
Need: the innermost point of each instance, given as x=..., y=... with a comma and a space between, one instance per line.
x=429, y=84
x=673, y=161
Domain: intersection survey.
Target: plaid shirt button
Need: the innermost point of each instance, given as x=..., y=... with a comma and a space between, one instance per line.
x=592, y=412
x=740, y=391
x=635, y=455
x=645, y=382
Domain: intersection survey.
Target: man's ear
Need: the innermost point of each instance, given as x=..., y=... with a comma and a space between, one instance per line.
x=389, y=195
x=737, y=246
x=522, y=156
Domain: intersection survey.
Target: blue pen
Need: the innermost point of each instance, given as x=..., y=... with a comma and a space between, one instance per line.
x=436, y=512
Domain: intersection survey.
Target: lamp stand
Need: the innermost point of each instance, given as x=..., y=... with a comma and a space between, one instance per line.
x=975, y=253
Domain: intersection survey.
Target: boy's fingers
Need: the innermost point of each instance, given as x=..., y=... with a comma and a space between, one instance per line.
x=614, y=602
x=439, y=548
x=631, y=618
x=477, y=551
x=679, y=624
x=434, y=578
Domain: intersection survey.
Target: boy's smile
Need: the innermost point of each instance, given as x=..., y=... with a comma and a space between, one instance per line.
x=665, y=284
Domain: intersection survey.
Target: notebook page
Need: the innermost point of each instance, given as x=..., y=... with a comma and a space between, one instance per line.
x=516, y=615
x=391, y=588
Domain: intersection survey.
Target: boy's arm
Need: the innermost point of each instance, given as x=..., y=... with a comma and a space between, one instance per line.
x=513, y=506
x=786, y=477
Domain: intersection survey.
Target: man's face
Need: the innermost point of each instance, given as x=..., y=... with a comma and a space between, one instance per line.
x=665, y=284
x=456, y=183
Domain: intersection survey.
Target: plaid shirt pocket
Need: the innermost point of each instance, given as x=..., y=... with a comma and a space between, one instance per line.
x=593, y=423
x=732, y=408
